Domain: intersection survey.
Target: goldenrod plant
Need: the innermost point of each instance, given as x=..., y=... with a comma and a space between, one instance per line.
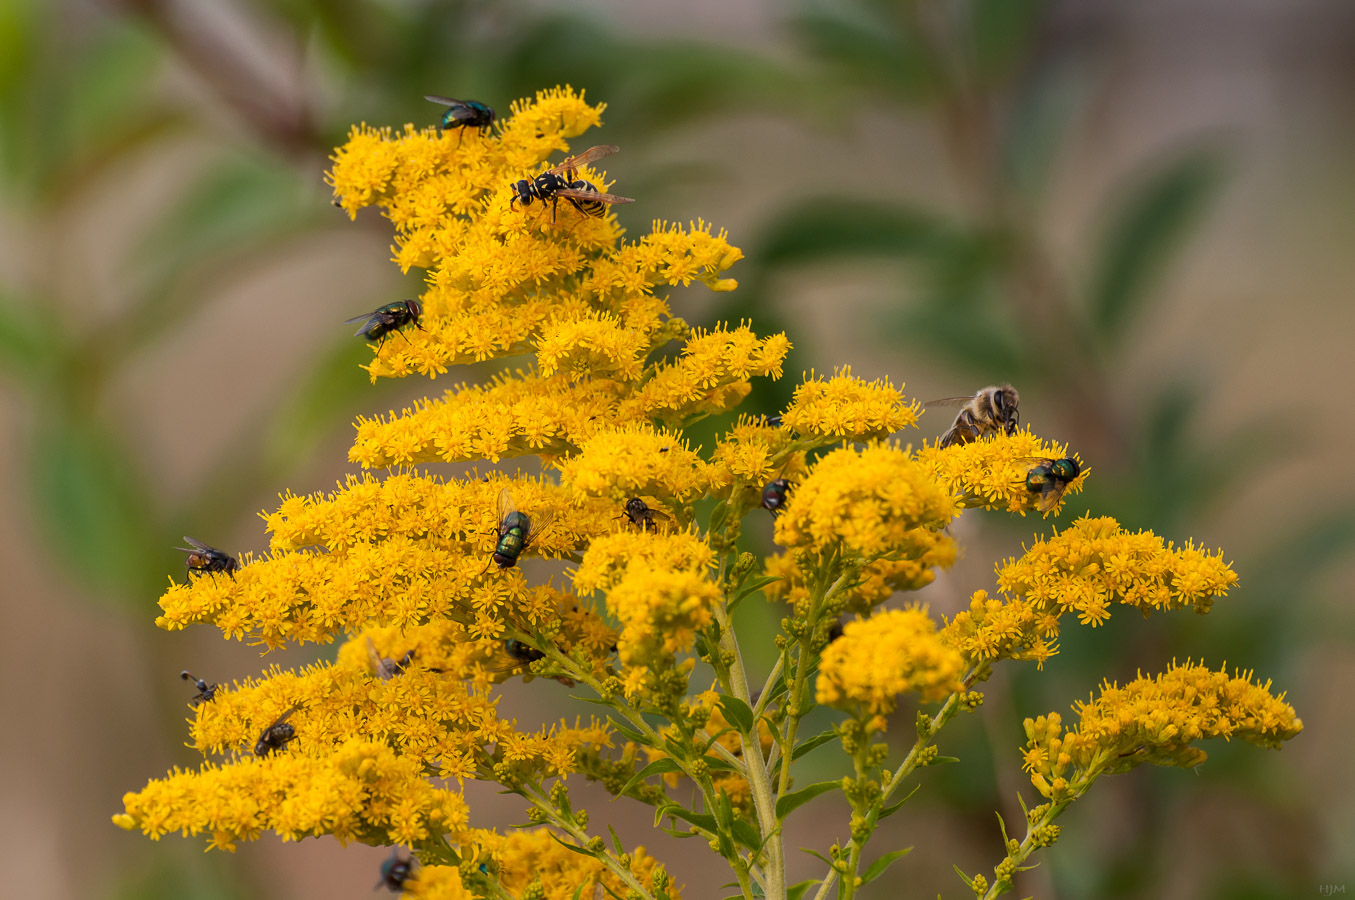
x=418, y=574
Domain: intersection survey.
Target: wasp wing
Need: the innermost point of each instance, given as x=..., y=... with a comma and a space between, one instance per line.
x=592, y=154
x=593, y=195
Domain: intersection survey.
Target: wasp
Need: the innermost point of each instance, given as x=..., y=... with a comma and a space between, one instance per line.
x=1049, y=478
x=990, y=410
x=395, y=872
x=563, y=181
x=774, y=495
x=639, y=513
x=203, y=559
x=205, y=691
x=278, y=735
x=382, y=321
x=516, y=531
x=464, y=114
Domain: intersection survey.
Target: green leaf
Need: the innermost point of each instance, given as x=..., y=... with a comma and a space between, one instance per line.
x=829, y=228
x=616, y=841
x=813, y=743
x=30, y=340
x=738, y=713
x=875, y=52
x=1151, y=223
x=797, y=891
x=878, y=867
x=787, y=803
x=890, y=810
x=942, y=760
x=661, y=766
x=92, y=503
x=1002, y=31
x=577, y=849
x=627, y=732
x=719, y=764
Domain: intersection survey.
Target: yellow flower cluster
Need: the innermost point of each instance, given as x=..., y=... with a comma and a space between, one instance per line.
x=993, y=629
x=871, y=503
x=658, y=586
x=534, y=860
x=635, y=461
x=845, y=407
x=1154, y=720
x=398, y=551
x=361, y=790
x=891, y=653
x=991, y=473
x=752, y=453
x=1095, y=563
x=876, y=582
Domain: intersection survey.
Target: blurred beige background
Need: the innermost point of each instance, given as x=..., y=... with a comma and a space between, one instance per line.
x=1256, y=307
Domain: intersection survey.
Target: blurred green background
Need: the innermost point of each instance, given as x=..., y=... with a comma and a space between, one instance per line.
x=1140, y=214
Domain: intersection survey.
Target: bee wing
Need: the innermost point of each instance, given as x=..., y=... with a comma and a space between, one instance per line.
x=592, y=154
x=950, y=401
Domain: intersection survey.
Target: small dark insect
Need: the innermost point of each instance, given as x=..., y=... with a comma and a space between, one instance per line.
x=395, y=872
x=391, y=317
x=522, y=653
x=774, y=421
x=205, y=691
x=278, y=735
x=203, y=559
x=1050, y=478
x=516, y=532
x=774, y=495
x=464, y=114
x=641, y=514
x=563, y=181
x=834, y=630
x=386, y=668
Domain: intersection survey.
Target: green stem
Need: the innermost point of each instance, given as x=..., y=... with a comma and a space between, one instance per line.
x=1028, y=846
x=759, y=780
x=581, y=839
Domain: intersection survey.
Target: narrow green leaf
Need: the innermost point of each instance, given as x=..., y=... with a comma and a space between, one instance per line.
x=893, y=808
x=878, y=867
x=787, y=803
x=737, y=713
x=797, y=891
x=813, y=743
x=817, y=855
x=577, y=849
x=720, y=764
x=627, y=732
x=661, y=766
x=616, y=841
x=1151, y=223
x=942, y=760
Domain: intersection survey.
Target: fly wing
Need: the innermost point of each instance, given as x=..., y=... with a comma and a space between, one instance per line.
x=195, y=544
x=505, y=507
x=592, y=154
x=445, y=101
x=1051, y=494
x=540, y=522
x=593, y=195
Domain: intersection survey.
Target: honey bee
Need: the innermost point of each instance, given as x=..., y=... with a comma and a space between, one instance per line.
x=989, y=411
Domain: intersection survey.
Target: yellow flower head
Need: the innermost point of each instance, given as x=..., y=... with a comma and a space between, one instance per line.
x=657, y=585
x=524, y=859
x=993, y=629
x=847, y=407
x=991, y=473
x=891, y=653
x=635, y=461
x=1095, y=563
x=1155, y=720
x=877, y=581
x=871, y=503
